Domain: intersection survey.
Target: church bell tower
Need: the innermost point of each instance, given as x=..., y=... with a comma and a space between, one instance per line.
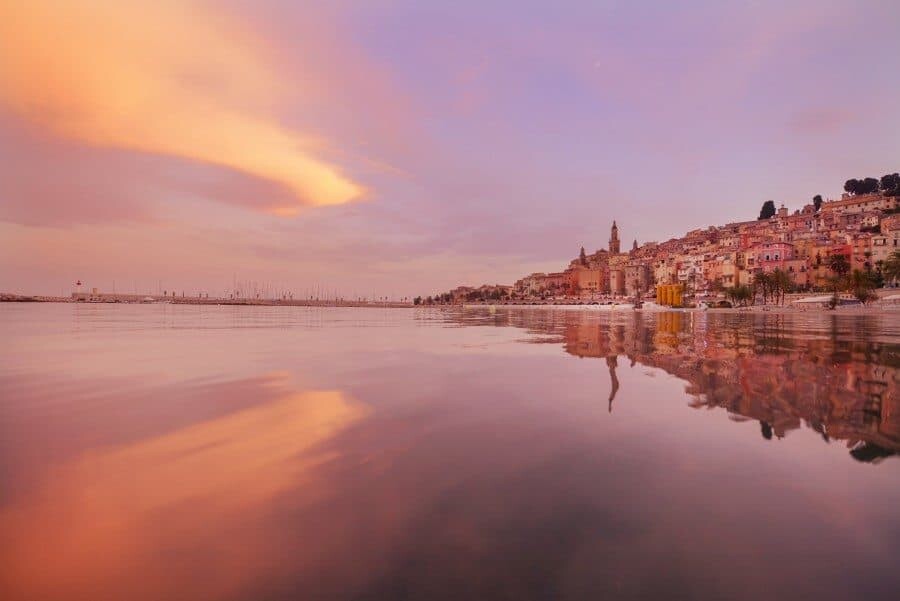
x=614, y=239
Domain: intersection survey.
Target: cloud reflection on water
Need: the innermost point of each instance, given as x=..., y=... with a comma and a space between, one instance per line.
x=139, y=520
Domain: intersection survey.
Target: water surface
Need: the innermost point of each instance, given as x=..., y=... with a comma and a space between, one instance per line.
x=179, y=452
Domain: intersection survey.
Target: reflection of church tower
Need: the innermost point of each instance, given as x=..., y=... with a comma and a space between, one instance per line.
x=612, y=362
x=614, y=239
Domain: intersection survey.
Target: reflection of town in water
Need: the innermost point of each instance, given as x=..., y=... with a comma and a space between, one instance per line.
x=837, y=376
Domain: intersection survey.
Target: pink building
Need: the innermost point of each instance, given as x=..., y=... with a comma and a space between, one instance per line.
x=769, y=256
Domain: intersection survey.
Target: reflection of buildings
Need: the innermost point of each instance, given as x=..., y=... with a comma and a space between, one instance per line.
x=763, y=368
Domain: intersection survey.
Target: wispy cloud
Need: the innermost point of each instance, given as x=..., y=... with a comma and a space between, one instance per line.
x=174, y=79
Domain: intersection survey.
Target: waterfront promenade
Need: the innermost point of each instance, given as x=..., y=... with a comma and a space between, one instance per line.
x=885, y=296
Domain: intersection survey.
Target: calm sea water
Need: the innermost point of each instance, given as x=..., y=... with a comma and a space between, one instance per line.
x=176, y=452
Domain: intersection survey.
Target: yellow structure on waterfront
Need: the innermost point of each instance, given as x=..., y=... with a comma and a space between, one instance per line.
x=670, y=294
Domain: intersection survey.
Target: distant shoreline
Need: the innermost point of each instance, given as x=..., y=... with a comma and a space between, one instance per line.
x=184, y=300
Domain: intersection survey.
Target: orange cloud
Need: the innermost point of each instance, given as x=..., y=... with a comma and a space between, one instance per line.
x=173, y=78
x=108, y=523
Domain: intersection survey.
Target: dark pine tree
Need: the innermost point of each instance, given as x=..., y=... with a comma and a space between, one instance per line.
x=869, y=185
x=768, y=210
x=890, y=184
x=851, y=186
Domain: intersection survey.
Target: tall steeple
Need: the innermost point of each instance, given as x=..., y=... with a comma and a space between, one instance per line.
x=614, y=239
x=634, y=246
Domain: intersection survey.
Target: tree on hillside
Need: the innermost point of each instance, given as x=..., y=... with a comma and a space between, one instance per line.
x=768, y=210
x=839, y=264
x=869, y=185
x=890, y=184
x=817, y=202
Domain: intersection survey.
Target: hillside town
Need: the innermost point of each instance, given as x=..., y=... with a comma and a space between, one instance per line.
x=808, y=249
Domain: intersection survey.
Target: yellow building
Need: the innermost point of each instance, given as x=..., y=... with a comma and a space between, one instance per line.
x=671, y=295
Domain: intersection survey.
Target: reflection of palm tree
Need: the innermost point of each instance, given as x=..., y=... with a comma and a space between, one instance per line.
x=819, y=427
x=612, y=363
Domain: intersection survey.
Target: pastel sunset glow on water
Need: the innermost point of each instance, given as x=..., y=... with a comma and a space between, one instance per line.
x=377, y=453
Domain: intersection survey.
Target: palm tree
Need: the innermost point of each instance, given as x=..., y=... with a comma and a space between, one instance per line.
x=732, y=295
x=762, y=284
x=781, y=283
x=861, y=285
x=739, y=294
x=891, y=267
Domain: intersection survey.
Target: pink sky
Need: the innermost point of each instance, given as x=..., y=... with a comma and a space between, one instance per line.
x=401, y=147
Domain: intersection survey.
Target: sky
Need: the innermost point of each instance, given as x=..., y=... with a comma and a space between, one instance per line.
x=402, y=147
